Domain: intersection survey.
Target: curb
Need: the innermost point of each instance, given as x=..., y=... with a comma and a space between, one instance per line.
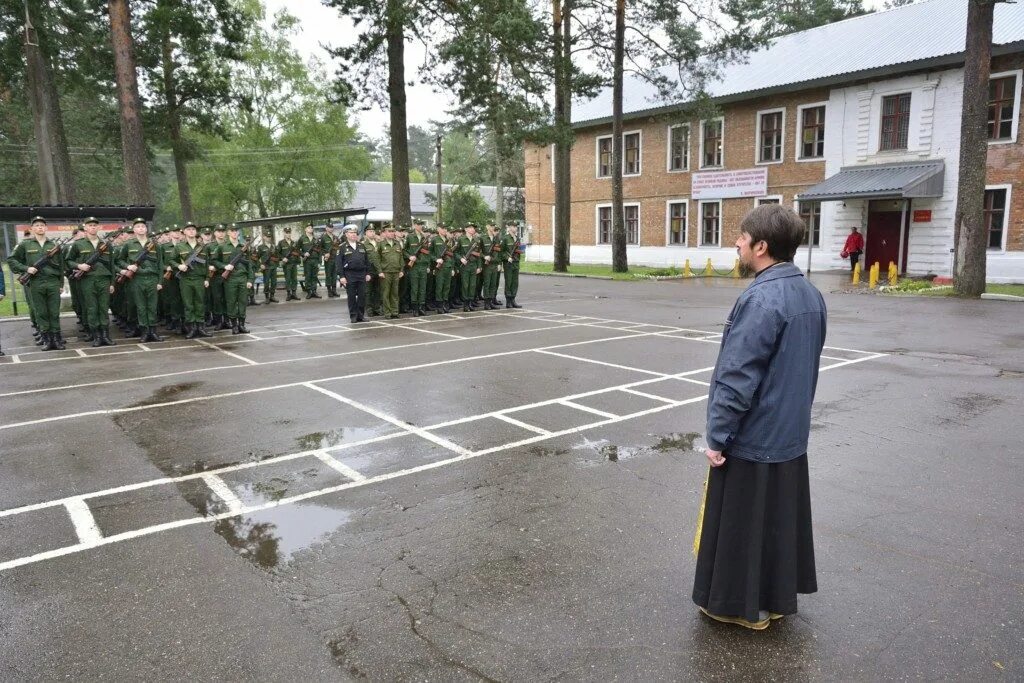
x=585, y=277
x=1002, y=297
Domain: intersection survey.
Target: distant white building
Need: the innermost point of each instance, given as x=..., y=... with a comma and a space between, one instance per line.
x=378, y=196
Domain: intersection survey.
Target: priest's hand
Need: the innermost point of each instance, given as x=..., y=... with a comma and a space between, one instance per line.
x=714, y=457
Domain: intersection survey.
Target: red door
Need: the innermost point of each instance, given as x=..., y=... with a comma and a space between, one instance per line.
x=882, y=243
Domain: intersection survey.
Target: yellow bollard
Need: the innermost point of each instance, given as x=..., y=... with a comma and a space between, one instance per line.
x=873, y=276
x=709, y=270
x=856, y=274
x=894, y=275
x=686, y=269
x=736, y=269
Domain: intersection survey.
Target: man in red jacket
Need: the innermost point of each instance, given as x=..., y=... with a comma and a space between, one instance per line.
x=853, y=248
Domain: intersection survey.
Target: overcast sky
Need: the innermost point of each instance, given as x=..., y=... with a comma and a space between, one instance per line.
x=324, y=26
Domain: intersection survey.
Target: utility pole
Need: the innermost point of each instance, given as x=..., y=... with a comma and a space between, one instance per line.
x=437, y=219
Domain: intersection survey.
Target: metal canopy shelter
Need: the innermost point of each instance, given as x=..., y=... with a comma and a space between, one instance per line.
x=908, y=180
x=23, y=213
x=302, y=217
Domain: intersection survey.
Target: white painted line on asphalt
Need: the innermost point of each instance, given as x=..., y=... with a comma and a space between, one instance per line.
x=85, y=524
x=833, y=357
x=226, y=352
x=15, y=359
x=520, y=423
x=80, y=352
x=695, y=381
x=601, y=362
x=223, y=492
x=646, y=395
x=301, y=332
x=144, y=347
x=851, y=362
x=338, y=466
x=381, y=415
x=876, y=354
x=440, y=334
x=588, y=409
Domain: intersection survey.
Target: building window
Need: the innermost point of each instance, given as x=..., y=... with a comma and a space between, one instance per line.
x=631, y=153
x=895, y=121
x=770, y=136
x=604, y=225
x=812, y=133
x=710, y=223
x=768, y=200
x=810, y=212
x=679, y=148
x=995, y=217
x=604, y=157
x=711, y=143
x=1001, y=99
x=677, y=223
x=631, y=216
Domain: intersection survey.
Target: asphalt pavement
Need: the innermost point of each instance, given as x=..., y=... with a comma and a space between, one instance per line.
x=505, y=495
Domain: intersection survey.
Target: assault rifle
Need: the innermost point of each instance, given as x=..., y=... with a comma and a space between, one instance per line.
x=237, y=257
x=424, y=249
x=25, y=278
x=317, y=250
x=271, y=260
x=193, y=258
x=101, y=249
x=139, y=260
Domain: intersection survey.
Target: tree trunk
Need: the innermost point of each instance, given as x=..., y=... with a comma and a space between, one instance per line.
x=499, y=188
x=561, y=14
x=619, y=264
x=56, y=183
x=133, y=145
x=401, y=212
x=178, y=151
x=970, y=233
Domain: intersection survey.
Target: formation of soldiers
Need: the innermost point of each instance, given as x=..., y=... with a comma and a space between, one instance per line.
x=191, y=279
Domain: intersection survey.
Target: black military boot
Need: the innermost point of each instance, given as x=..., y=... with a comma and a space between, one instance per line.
x=514, y=304
x=466, y=308
x=97, y=340
x=153, y=336
x=200, y=331
x=190, y=331
x=225, y=323
x=314, y=295
x=88, y=334
x=106, y=341
x=496, y=301
x=234, y=326
x=49, y=341
x=59, y=340
x=242, y=329
x=419, y=310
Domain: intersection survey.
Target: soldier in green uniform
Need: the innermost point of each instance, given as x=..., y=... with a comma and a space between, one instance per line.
x=239, y=280
x=119, y=298
x=311, y=249
x=219, y=319
x=141, y=257
x=330, y=250
x=391, y=263
x=254, y=266
x=454, y=235
x=269, y=257
x=191, y=281
x=173, y=307
x=510, y=264
x=492, y=266
x=373, y=287
x=469, y=252
x=94, y=281
x=73, y=285
x=442, y=255
x=417, y=253
x=47, y=280
x=288, y=250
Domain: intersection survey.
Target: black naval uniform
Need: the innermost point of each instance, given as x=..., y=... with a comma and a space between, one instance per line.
x=354, y=264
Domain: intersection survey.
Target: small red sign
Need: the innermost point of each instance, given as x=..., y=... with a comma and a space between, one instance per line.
x=922, y=215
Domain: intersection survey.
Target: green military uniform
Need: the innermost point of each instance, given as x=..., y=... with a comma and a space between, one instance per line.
x=74, y=286
x=237, y=284
x=469, y=252
x=390, y=261
x=416, y=243
x=510, y=264
x=373, y=287
x=173, y=309
x=94, y=284
x=441, y=249
x=143, y=286
x=216, y=290
x=491, y=269
x=267, y=255
x=311, y=249
x=192, y=285
x=330, y=247
x=288, y=250
x=44, y=288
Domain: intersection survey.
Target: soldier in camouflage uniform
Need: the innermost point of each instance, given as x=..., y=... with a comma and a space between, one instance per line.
x=442, y=255
x=288, y=250
x=44, y=287
x=312, y=251
x=239, y=279
x=373, y=288
x=491, y=267
x=510, y=264
x=146, y=279
x=192, y=282
x=94, y=282
x=391, y=263
x=219, y=318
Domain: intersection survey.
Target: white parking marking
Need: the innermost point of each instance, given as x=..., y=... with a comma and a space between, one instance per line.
x=225, y=352
x=520, y=423
x=83, y=521
x=588, y=409
x=224, y=492
x=340, y=467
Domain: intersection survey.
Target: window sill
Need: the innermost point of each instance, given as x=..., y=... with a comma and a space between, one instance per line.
x=678, y=170
x=712, y=168
x=804, y=160
x=768, y=163
x=1007, y=141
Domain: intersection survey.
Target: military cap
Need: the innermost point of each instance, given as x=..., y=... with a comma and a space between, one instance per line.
x=219, y=226
x=189, y=224
x=139, y=220
x=90, y=219
x=234, y=226
x=471, y=225
x=351, y=228
x=288, y=229
x=207, y=231
x=37, y=219
x=174, y=228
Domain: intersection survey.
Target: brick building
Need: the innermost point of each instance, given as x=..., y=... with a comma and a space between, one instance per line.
x=854, y=123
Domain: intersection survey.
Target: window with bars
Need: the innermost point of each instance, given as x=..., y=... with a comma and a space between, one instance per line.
x=810, y=212
x=1001, y=95
x=710, y=223
x=677, y=223
x=995, y=217
x=604, y=157
x=631, y=154
x=712, y=143
x=770, y=148
x=679, y=148
x=812, y=133
x=895, y=121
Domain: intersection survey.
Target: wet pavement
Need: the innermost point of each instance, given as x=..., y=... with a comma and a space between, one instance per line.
x=500, y=496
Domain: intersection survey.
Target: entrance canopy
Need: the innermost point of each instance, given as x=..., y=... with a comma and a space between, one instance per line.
x=304, y=217
x=902, y=181
x=22, y=213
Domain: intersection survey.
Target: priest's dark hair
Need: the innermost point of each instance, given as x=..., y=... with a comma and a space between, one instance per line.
x=779, y=226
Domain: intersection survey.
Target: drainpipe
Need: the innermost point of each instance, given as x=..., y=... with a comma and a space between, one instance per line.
x=903, y=227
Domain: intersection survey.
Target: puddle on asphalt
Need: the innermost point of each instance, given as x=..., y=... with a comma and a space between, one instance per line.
x=271, y=537
x=318, y=440
x=611, y=452
x=167, y=393
x=543, y=452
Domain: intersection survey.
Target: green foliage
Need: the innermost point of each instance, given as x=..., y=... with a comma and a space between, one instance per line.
x=773, y=18
x=463, y=204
